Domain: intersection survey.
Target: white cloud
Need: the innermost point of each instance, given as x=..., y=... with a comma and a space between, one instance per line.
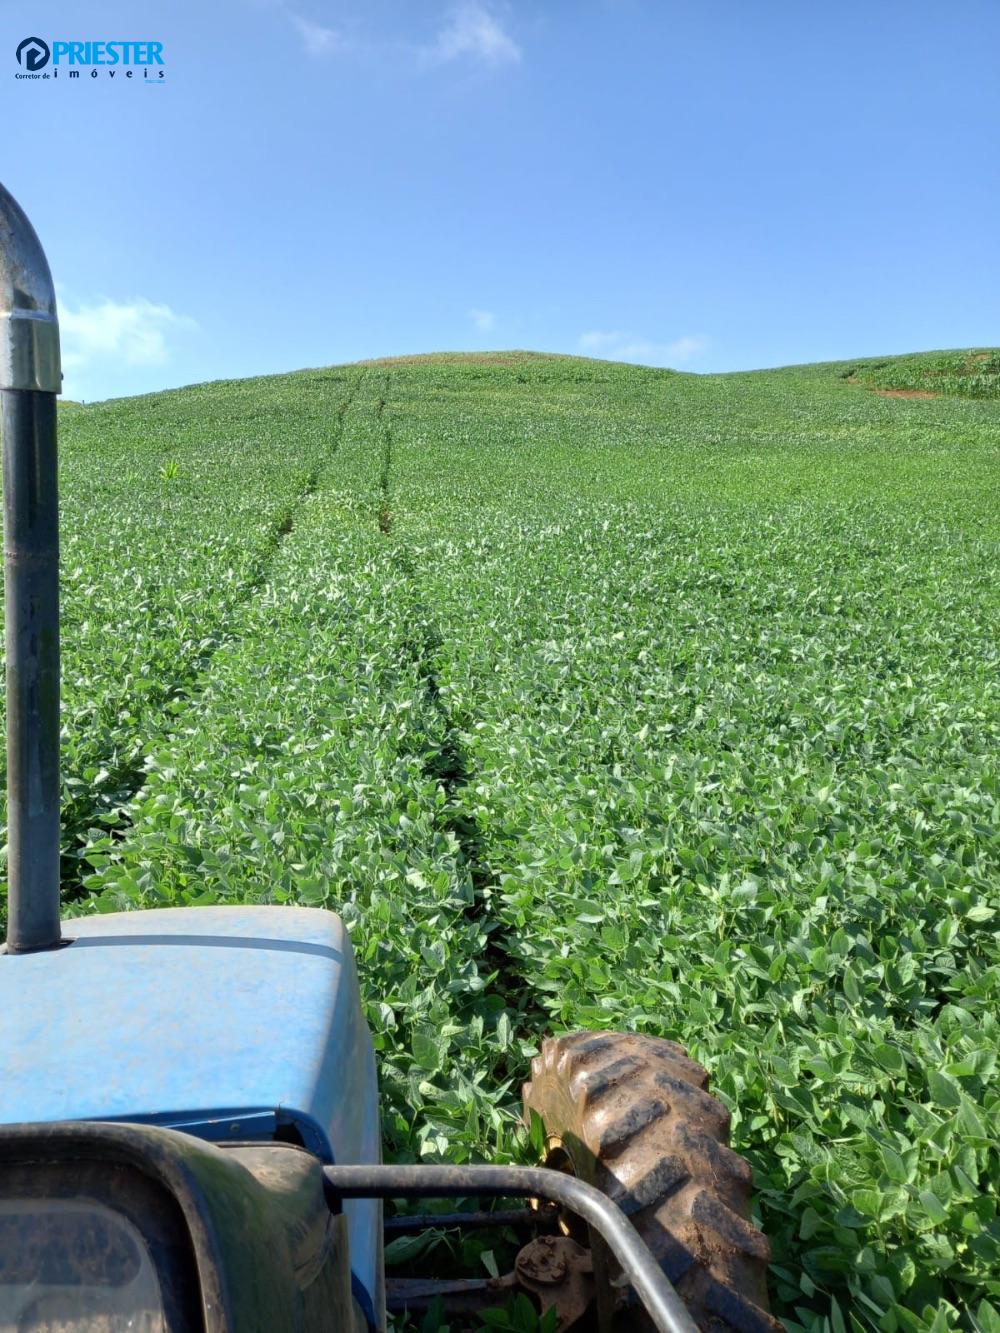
x=470, y=29
x=473, y=29
x=114, y=334
x=684, y=348
x=484, y=320
x=615, y=345
x=317, y=39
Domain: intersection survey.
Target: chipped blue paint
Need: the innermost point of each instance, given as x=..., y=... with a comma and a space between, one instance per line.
x=224, y=1022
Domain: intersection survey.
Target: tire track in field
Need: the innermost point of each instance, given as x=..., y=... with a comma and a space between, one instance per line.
x=385, y=464
x=127, y=779
x=445, y=760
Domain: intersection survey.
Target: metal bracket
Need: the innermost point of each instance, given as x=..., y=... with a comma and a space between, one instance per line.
x=560, y=1274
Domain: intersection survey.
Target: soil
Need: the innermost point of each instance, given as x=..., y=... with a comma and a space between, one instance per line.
x=893, y=393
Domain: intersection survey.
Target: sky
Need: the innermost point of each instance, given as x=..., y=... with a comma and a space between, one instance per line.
x=711, y=185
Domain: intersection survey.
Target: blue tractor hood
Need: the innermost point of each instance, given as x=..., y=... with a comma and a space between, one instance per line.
x=233, y=1024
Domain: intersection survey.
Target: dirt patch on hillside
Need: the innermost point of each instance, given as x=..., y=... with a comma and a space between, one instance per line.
x=890, y=393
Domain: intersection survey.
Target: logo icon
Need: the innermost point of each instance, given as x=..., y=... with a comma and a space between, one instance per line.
x=33, y=53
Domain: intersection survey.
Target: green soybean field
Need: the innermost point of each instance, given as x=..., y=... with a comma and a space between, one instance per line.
x=591, y=696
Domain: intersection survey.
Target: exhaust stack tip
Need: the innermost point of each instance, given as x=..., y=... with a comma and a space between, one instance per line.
x=29, y=326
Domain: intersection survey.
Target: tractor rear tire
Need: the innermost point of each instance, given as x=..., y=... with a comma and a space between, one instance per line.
x=631, y=1115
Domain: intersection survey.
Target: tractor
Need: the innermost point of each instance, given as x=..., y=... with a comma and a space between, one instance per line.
x=189, y=1112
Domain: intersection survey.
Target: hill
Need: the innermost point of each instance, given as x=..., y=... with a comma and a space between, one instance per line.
x=591, y=695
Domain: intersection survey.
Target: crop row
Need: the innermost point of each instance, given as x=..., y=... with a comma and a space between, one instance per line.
x=312, y=766
x=172, y=507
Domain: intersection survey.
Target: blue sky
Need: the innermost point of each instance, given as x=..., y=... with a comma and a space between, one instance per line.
x=714, y=185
